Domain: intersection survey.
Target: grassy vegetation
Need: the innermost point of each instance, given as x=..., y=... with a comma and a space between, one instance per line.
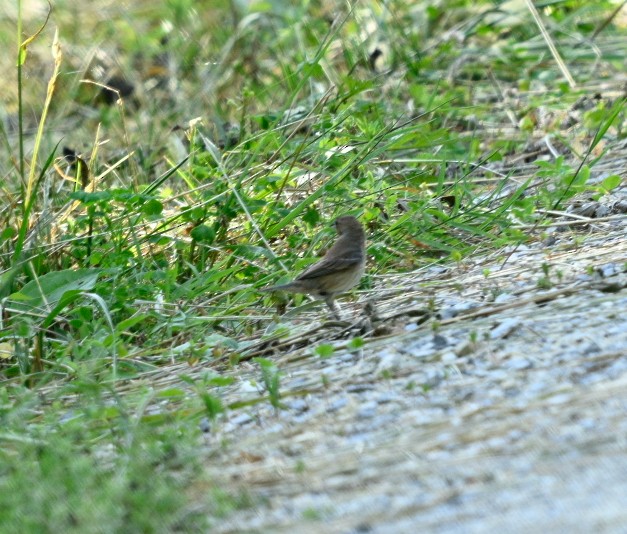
x=135, y=232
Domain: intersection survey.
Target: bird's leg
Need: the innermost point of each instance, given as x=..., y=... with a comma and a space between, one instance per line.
x=333, y=306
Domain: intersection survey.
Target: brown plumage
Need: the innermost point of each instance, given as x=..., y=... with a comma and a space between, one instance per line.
x=341, y=268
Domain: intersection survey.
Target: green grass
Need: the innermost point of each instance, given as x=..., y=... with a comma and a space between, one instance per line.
x=248, y=131
x=130, y=465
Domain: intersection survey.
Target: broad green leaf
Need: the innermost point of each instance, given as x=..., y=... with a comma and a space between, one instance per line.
x=49, y=289
x=611, y=182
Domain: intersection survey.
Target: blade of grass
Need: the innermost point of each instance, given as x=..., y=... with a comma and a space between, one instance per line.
x=57, y=55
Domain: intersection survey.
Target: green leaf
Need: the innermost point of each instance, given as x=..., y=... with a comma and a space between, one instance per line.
x=579, y=179
x=312, y=69
x=123, y=326
x=456, y=256
x=260, y=7
x=203, y=234
x=220, y=381
x=171, y=393
x=609, y=119
x=325, y=350
x=611, y=182
x=213, y=405
x=152, y=207
x=8, y=233
x=356, y=343
x=49, y=289
x=264, y=363
x=311, y=216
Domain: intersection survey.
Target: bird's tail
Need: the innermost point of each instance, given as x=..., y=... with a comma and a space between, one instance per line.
x=278, y=288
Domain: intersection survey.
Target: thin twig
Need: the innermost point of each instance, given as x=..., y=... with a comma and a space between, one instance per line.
x=551, y=45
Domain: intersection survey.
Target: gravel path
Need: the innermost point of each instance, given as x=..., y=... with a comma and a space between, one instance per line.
x=504, y=412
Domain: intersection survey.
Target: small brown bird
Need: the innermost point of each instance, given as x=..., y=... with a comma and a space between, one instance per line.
x=341, y=268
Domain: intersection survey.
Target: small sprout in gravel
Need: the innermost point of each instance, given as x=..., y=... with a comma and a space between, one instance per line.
x=356, y=343
x=311, y=514
x=300, y=466
x=325, y=350
x=271, y=379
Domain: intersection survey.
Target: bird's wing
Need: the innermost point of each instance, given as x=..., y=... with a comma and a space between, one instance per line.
x=330, y=266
